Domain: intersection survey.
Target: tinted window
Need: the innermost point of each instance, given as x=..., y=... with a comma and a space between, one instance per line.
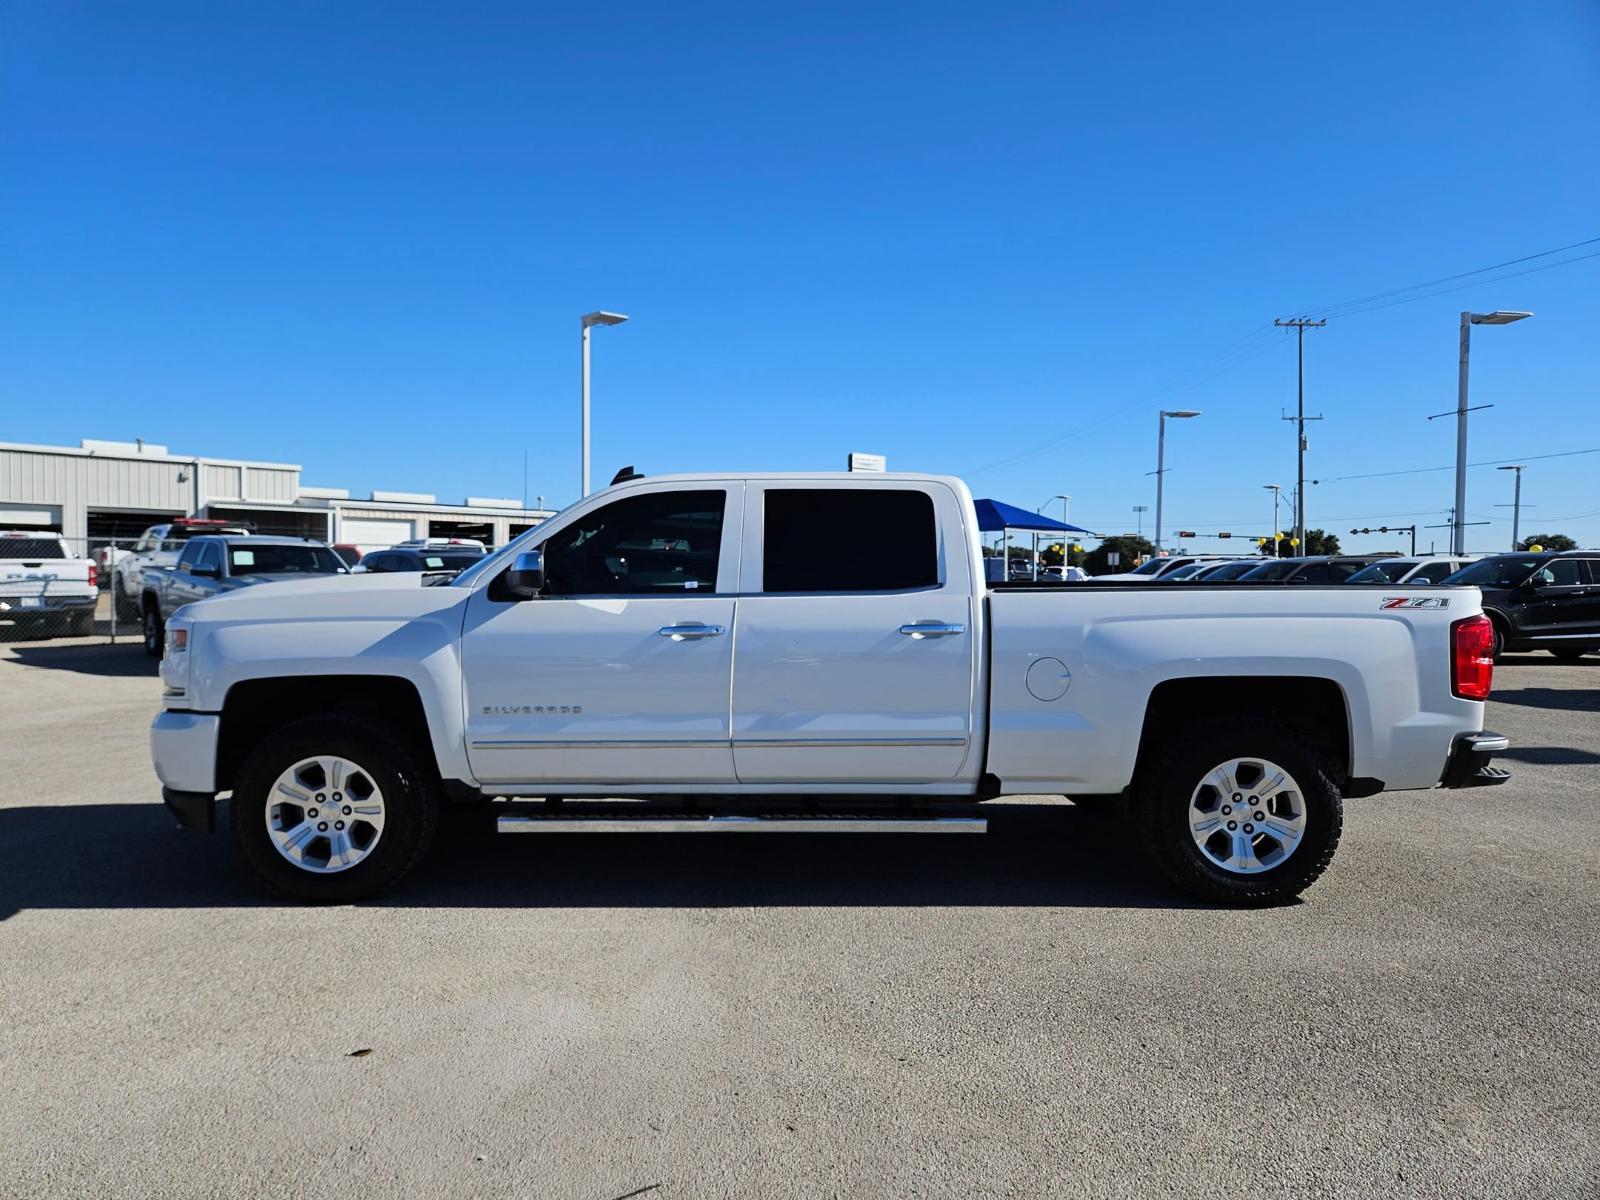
x=1432, y=573
x=283, y=560
x=1280, y=568
x=210, y=556
x=1506, y=571
x=1316, y=573
x=1560, y=572
x=1341, y=571
x=849, y=540
x=31, y=548
x=1231, y=570
x=1151, y=567
x=1384, y=572
x=661, y=542
x=190, y=555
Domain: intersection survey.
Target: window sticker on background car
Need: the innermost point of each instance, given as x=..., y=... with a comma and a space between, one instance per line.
x=244, y=558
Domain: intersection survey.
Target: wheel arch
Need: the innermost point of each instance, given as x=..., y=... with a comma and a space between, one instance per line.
x=1314, y=707
x=253, y=709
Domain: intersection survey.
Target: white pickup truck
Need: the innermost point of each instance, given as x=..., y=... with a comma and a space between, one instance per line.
x=44, y=590
x=810, y=653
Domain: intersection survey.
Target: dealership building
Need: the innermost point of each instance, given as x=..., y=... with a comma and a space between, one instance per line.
x=97, y=491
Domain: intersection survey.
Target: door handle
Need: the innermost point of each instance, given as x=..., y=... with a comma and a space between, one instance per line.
x=922, y=629
x=686, y=632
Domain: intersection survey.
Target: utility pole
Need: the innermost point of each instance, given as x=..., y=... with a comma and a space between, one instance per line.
x=1516, y=505
x=1300, y=325
x=1139, y=511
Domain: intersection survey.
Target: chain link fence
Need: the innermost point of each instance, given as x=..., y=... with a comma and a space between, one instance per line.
x=84, y=589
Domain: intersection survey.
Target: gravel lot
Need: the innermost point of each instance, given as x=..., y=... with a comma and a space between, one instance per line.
x=1031, y=1013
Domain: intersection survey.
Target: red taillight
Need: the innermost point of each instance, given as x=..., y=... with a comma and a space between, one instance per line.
x=94, y=575
x=1472, y=657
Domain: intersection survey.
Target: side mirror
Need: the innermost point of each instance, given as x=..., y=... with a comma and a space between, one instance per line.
x=205, y=572
x=525, y=580
x=1537, y=580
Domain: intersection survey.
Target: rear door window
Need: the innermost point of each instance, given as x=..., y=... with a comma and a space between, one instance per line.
x=872, y=539
x=31, y=548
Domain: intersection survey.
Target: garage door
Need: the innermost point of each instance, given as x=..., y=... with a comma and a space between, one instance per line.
x=371, y=533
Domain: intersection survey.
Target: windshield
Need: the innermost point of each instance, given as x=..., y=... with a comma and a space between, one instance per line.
x=1383, y=572
x=283, y=560
x=1507, y=571
x=1153, y=567
x=487, y=563
x=1185, y=572
x=31, y=547
x=1281, y=569
x=447, y=562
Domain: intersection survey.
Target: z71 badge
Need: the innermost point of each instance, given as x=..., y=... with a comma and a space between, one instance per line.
x=1415, y=602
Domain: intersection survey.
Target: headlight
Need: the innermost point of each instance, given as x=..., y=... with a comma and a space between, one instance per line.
x=175, y=662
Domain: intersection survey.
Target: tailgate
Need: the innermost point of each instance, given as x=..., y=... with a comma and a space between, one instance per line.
x=44, y=578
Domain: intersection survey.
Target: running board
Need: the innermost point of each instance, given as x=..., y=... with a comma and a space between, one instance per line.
x=529, y=823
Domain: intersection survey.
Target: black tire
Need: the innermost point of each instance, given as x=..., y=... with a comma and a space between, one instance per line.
x=1172, y=769
x=127, y=609
x=411, y=796
x=83, y=624
x=155, y=631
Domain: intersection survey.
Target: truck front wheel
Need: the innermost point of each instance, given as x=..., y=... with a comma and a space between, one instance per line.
x=332, y=809
x=1238, y=811
x=155, y=630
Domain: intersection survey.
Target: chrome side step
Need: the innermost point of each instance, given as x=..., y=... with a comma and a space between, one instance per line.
x=696, y=823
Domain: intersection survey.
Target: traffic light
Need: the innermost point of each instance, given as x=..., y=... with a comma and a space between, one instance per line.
x=1185, y=533
x=1224, y=535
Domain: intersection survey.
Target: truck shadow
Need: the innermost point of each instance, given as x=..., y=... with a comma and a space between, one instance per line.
x=125, y=659
x=122, y=856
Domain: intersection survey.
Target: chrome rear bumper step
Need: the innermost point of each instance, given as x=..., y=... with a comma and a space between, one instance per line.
x=699, y=823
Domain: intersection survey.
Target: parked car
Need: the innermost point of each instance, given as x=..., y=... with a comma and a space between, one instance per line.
x=445, y=563
x=1319, y=568
x=348, y=553
x=1415, y=570
x=1225, y=572
x=212, y=565
x=692, y=640
x=157, y=549
x=1548, y=601
x=1064, y=574
x=1157, y=568
x=44, y=589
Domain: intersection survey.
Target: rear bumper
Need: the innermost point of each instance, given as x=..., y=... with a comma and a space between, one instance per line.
x=1468, y=765
x=23, y=605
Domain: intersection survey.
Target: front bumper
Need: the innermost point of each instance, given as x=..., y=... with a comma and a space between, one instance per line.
x=1468, y=764
x=183, y=747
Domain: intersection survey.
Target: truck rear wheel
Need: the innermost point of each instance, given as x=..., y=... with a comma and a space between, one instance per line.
x=332, y=809
x=1238, y=811
x=155, y=630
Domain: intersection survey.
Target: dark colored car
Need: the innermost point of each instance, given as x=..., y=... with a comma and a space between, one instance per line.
x=1321, y=568
x=1222, y=572
x=446, y=563
x=1545, y=601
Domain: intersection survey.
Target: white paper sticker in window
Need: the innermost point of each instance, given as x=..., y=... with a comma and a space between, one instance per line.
x=244, y=558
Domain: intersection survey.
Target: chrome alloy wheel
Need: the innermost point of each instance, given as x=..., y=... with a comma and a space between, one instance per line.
x=325, y=814
x=1247, y=815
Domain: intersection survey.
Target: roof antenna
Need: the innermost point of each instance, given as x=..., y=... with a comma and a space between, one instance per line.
x=625, y=474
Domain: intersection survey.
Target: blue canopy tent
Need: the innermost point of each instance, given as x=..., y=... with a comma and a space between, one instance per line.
x=996, y=516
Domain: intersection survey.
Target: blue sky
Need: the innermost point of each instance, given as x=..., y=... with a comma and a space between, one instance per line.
x=990, y=240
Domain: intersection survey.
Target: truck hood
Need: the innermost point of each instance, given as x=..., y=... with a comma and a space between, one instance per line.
x=327, y=597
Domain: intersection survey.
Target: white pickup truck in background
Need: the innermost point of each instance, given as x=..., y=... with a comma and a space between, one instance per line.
x=806, y=652
x=157, y=550
x=44, y=590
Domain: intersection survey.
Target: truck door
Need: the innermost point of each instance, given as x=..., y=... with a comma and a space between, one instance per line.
x=618, y=674
x=854, y=654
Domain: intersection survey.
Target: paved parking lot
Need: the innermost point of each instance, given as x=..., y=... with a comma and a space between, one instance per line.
x=1031, y=1013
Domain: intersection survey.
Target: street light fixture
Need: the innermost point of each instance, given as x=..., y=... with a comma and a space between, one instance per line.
x=587, y=322
x=1276, y=489
x=1516, y=504
x=1161, y=460
x=1458, y=539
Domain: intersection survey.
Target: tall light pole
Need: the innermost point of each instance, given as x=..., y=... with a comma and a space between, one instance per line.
x=1458, y=539
x=1516, y=504
x=1276, y=489
x=588, y=321
x=1161, y=461
x=1300, y=325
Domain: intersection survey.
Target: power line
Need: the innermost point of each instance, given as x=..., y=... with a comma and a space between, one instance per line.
x=1333, y=309
x=1356, y=312
x=1490, y=463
